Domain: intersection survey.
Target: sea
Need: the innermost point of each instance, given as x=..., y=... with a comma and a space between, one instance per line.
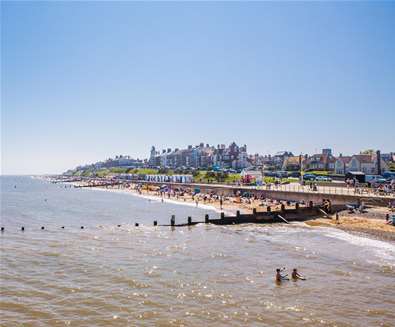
x=113, y=273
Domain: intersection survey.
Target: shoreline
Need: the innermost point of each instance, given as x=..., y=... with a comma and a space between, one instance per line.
x=230, y=205
x=370, y=224
x=159, y=199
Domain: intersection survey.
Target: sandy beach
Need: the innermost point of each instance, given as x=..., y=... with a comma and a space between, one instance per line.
x=371, y=223
x=229, y=204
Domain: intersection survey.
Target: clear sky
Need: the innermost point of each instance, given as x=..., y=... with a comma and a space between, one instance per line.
x=83, y=81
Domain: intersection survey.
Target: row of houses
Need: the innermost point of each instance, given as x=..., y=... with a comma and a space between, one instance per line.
x=201, y=156
x=221, y=157
x=370, y=163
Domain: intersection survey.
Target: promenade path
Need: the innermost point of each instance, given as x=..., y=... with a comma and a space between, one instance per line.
x=333, y=189
x=294, y=188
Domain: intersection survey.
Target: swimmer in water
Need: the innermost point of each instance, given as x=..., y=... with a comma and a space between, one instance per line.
x=279, y=277
x=296, y=275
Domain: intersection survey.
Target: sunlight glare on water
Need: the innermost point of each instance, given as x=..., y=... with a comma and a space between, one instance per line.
x=104, y=275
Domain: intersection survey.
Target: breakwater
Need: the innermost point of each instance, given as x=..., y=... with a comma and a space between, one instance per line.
x=256, y=217
x=264, y=217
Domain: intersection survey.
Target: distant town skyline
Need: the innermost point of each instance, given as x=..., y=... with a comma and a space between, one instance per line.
x=236, y=157
x=85, y=81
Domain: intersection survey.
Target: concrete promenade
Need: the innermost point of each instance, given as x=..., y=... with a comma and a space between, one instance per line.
x=290, y=192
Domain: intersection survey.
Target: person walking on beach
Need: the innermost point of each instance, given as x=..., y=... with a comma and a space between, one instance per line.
x=296, y=275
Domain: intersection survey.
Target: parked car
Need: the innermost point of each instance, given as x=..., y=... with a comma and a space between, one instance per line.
x=294, y=174
x=281, y=174
x=323, y=179
x=309, y=177
x=389, y=175
x=373, y=179
x=379, y=181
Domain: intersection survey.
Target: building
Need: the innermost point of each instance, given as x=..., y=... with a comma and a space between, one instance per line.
x=388, y=157
x=277, y=161
x=341, y=164
x=169, y=178
x=201, y=156
x=321, y=161
x=232, y=157
x=366, y=163
x=292, y=163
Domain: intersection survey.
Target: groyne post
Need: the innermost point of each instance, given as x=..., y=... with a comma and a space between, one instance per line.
x=206, y=219
x=222, y=215
x=173, y=220
x=238, y=213
x=189, y=221
x=155, y=223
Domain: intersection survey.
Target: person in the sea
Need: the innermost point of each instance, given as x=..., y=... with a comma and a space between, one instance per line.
x=296, y=275
x=279, y=277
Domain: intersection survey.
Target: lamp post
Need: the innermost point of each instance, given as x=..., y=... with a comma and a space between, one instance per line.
x=300, y=170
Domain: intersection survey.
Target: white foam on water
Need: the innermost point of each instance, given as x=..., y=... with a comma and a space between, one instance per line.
x=381, y=249
x=165, y=200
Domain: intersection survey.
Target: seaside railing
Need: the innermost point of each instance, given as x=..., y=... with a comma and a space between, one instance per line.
x=359, y=191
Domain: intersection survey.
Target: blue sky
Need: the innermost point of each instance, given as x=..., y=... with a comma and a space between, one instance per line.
x=83, y=81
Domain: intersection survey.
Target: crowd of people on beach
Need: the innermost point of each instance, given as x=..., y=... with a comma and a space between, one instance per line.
x=387, y=188
x=244, y=201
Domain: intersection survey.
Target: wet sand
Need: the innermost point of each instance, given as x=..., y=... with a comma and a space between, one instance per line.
x=371, y=223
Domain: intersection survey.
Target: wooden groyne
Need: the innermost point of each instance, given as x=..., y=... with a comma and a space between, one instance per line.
x=284, y=215
x=263, y=217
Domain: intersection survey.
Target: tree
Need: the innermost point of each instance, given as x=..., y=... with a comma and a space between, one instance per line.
x=368, y=151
